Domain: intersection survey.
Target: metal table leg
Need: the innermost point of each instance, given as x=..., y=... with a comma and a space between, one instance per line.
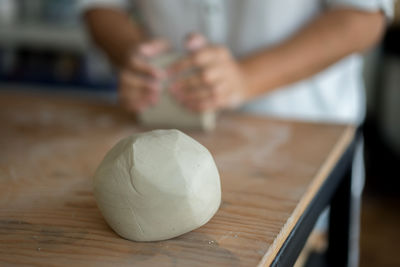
x=339, y=223
x=335, y=191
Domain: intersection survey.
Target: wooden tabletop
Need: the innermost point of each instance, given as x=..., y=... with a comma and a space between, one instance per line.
x=50, y=147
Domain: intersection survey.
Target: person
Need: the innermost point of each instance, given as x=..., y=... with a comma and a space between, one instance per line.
x=298, y=59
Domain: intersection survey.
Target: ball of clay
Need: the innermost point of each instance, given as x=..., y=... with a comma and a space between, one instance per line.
x=157, y=185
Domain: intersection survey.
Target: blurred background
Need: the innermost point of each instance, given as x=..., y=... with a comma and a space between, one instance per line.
x=44, y=43
x=44, y=46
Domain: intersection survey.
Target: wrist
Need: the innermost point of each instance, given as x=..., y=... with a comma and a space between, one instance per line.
x=247, y=91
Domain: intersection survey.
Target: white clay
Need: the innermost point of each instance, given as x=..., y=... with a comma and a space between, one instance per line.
x=169, y=113
x=157, y=185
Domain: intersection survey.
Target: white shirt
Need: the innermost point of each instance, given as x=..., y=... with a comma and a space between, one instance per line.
x=336, y=94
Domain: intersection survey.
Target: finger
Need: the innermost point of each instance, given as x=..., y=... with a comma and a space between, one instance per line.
x=189, y=83
x=201, y=94
x=208, y=78
x=130, y=102
x=195, y=41
x=131, y=81
x=135, y=90
x=201, y=59
x=139, y=60
x=218, y=96
x=194, y=95
x=153, y=48
x=209, y=55
x=141, y=65
x=135, y=102
x=212, y=75
x=202, y=106
x=129, y=97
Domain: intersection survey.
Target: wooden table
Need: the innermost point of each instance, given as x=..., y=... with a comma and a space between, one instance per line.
x=272, y=173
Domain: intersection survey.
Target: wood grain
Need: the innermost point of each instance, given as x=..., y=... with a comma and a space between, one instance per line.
x=50, y=148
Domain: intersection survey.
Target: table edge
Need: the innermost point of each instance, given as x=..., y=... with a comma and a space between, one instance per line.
x=329, y=164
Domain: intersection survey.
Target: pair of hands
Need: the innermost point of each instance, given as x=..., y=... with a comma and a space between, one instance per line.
x=218, y=83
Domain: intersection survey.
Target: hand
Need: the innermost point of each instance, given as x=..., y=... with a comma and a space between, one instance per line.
x=217, y=81
x=139, y=81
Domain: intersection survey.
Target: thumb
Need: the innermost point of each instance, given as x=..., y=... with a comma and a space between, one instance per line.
x=195, y=41
x=153, y=48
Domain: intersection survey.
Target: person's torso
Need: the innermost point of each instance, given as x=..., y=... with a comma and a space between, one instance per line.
x=248, y=26
x=243, y=26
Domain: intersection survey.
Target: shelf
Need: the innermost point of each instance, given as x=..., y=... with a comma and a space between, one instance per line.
x=44, y=36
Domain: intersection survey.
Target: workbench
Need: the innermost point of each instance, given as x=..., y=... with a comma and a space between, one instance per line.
x=276, y=176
